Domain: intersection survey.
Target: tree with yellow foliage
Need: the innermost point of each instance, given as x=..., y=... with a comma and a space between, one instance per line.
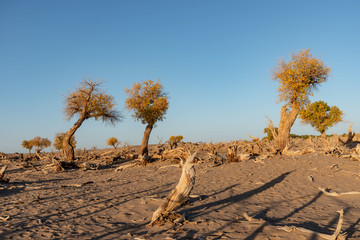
x=40, y=144
x=174, y=140
x=321, y=116
x=298, y=79
x=113, y=142
x=28, y=145
x=88, y=101
x=149, y=104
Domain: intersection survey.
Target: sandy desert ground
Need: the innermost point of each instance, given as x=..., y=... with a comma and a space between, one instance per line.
x=102, y=203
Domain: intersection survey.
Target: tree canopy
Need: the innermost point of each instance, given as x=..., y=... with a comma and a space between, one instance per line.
x=27, y=144
x=148, y=101
x=321, y=116
x=113, y=142
x=89, y=100
x=299, y=77
x=40, y=143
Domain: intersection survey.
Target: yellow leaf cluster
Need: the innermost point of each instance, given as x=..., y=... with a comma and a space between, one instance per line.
x=299, y=77
x=176, y=139
x=113, y=142
x=321, y=116
x=148, y=101
x=89, y=101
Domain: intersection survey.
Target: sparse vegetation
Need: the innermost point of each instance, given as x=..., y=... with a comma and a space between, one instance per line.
x=88, y=101
x=40, y=143
x=27, y=144
x=113, y=142
x=59, y=140
x=321, y=116
x=298, y=79
x=149, y=104
x=175, y=140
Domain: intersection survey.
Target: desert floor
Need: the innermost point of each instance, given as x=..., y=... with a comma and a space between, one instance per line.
x=104, y=204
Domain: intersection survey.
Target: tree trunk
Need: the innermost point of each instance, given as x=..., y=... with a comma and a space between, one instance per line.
x=287, y=119
x=179, y=195
x=67, y=147
x=323, y=135
x=145, y=141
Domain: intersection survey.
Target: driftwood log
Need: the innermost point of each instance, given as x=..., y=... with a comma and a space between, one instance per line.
x=335, y=194
x=179, y=195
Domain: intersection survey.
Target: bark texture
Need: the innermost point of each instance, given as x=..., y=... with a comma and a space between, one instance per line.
x=68, y=148
x=180, y=194
x=287, y=119
x=145, y=141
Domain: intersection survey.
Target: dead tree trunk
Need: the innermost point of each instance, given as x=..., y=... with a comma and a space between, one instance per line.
x=145, y=141
x=351, y=135
x=67, y=147
x=179, y=195
x=287, y=119
x=2, y=174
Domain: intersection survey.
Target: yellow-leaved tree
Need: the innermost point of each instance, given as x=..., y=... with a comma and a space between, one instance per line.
x=28, y=145
x=149, y=104
x=298, y=79
x=88, y=101
x=321, y=116
x=113, y=142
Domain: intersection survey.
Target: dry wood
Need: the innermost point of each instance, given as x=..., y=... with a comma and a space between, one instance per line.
x=288, y=152
x=2, y=174
x=77, y=185
x=4, y=219
x=335, y=194
x=179, y=195
x=335, y=236
x=125, y=167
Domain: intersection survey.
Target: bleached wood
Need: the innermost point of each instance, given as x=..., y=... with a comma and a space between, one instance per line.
x=125, y=167
x=2, y=171
x=335, y=236
x=335, y=194
x=180, y=194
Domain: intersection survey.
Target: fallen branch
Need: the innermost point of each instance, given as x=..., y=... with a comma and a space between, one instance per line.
x=125, y=167
x=4, y=219
x=179, y=195
x=77, y=185
x=335, y=236
x=335, y=194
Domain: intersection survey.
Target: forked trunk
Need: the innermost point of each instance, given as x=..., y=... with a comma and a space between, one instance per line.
x=145, y=141
x=287, y=119
x=67, y=147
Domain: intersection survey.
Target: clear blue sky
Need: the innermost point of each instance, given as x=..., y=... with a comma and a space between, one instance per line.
x=214, y=59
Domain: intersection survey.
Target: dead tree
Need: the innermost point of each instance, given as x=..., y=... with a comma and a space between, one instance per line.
x=2, y=174
x=351, y=135
x=179, y=195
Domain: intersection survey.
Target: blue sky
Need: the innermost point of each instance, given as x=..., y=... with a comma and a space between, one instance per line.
x=214, y=59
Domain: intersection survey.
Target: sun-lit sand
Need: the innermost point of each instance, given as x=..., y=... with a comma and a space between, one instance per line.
x=101, y=203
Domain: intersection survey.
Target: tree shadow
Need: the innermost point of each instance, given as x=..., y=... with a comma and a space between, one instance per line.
x=351, y=230
x=220, y=204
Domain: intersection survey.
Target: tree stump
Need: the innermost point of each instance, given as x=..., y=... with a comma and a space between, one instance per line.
x=179, y=195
